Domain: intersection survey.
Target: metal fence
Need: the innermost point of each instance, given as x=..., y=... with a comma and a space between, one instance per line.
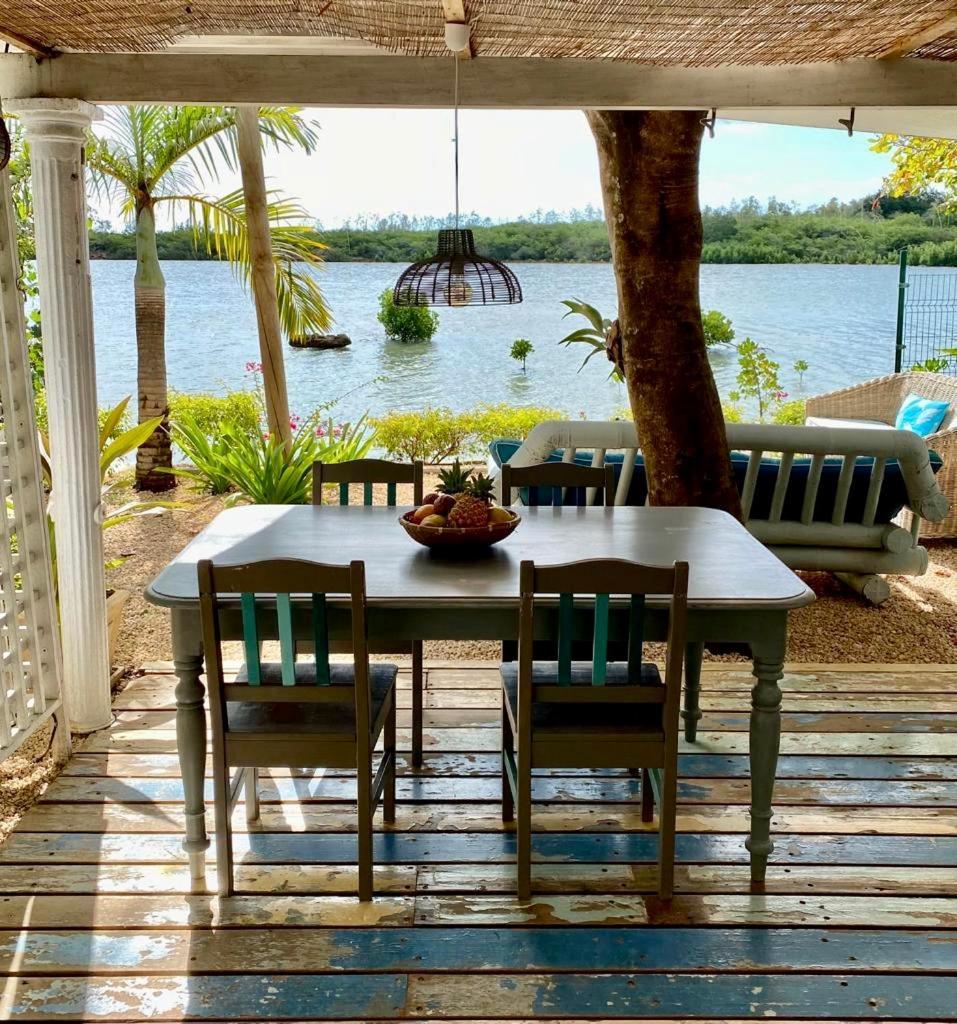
x=926, y=320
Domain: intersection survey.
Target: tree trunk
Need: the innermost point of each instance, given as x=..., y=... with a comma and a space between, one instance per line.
x=649, y=175
x=150, y=294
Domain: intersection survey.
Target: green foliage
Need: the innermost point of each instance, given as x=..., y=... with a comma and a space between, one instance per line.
x=801, y=366
x=432, y=435
x=790, y=413
x=437, y=434
x=717, y=328
x=934, y=364
x=521, y=349
x=732, y=412
x=213, y=413
x=407, y=324
x=593, y=335
x=256, y=468
x=757, y=378
x=919, y=164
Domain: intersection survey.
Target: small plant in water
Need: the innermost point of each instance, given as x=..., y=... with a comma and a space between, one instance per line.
x=521, y=349
x=801, y=367
x=407, y=324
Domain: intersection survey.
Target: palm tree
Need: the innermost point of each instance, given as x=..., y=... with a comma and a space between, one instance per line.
x=150, y=156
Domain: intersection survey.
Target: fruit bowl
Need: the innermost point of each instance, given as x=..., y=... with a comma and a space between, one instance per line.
x=458, y=536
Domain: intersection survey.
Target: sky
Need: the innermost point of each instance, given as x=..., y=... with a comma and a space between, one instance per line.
x=513, y=162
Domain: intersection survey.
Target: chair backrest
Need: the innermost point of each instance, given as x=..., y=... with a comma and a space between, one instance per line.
x=598, y=580
x=558, y=479
x=367, y=472
x=262, y=593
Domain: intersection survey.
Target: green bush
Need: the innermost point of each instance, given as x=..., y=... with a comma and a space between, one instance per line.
x=487, y=423
x=406, y=323
x=732, y=412
x=717, y=328
x=124, y=423
x=790, y=413
x=432, y=435
x=256, y=467
x=213, y=413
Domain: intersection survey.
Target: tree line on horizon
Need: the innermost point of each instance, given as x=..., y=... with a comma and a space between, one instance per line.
x=872, y=229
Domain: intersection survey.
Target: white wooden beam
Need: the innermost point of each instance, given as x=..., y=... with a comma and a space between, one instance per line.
x=491, y=82
x=937, y=29
x=56, y=130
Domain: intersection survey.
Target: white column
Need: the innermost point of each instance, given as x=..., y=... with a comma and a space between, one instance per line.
x=56, y=130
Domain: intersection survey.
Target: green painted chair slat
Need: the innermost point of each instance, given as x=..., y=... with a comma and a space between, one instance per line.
x=636, y=636
x=343, y=493
x=320, y=633
x=599, y=661
x=367, y=492
x=566, y=625
x=287, y=643
x=251, y=639
x=390, y=495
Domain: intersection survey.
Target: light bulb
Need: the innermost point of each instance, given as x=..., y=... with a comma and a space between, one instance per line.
x=458, y=292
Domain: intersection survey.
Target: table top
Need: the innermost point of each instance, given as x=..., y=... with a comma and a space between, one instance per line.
x=728, y=567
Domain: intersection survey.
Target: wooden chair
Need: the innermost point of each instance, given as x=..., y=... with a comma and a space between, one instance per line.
x=305, y=714
x=562, y=477
x=369, y=472
x=576, y=714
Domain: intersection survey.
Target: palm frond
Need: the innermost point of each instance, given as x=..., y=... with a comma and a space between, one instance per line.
x=219, y=226
x=284, y=126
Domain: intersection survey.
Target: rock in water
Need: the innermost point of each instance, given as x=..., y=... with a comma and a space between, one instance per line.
x=321, y=341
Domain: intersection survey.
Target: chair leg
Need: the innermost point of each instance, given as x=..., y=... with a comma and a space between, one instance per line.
x=364, y=827
x=388, y=750
x=524, y=822
x=666, y=825
x=647, y=796
x=692, y=709
x=224, y=835
x=508, y=749
x=418, y=683
x=251, y=788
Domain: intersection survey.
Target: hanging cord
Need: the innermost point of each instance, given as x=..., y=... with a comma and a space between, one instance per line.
x=456, y=140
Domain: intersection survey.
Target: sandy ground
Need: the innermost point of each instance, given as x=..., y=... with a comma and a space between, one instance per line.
x=24, y=776
x=917, y=624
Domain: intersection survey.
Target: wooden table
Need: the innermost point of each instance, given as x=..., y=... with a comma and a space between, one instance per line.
x=738, y=592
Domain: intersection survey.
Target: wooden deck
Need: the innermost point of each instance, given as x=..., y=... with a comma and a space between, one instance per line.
x=858, y=920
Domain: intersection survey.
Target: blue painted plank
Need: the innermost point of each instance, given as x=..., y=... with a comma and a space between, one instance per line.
x=855, y=997
x=477, y=847
x=211, y=997
x=834, y=721
x=517, y=949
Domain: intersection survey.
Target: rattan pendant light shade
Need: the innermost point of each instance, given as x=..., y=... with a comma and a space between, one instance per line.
x=456, y=275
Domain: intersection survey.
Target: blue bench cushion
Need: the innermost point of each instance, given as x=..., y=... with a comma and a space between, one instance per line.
x=892, y=498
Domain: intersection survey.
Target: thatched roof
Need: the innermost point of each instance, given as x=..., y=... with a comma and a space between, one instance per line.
x=662, y=32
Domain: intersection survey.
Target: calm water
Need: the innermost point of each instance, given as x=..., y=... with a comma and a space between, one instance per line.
x=838, y=318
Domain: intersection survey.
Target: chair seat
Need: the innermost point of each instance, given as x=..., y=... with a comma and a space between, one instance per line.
x=334, y=718
x=582, y=718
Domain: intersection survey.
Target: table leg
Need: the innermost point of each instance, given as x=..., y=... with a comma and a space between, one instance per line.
x=765, y=741
x=191, y=738
x=692, y=709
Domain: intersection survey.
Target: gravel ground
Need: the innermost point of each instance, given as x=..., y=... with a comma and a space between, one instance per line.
x=917, y=624
x=24, y=776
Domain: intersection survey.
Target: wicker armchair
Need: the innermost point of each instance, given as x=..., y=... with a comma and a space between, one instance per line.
x=877, y=402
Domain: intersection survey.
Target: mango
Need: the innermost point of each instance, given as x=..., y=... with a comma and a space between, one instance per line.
x=433, y=520
x=420, y=513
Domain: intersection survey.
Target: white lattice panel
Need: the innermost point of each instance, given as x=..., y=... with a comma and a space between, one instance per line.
x=29, y=645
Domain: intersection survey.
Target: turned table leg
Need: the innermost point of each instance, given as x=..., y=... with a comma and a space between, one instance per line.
x=765, y=742
x=191, y=737
x=692, y=709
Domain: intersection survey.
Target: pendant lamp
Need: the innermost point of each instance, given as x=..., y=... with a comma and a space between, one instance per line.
x=456, y=275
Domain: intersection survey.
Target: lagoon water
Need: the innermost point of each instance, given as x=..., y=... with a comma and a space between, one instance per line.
x=840, y=319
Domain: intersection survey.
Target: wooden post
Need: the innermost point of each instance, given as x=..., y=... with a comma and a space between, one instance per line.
x=649, y=175
x=263, y=272
x=56, y=130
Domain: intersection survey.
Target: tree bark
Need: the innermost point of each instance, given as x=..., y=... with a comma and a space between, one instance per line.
x=649, y=175
x=149, y=288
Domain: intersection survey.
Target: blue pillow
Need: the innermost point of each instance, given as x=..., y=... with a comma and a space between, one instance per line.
x=921, y=415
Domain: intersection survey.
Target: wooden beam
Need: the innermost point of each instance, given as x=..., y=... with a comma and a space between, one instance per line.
x=492, y=82
x=262, y=272
x=23, y=43
x=938, y=28
x=454, y=10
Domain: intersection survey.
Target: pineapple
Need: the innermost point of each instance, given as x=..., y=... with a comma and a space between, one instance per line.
x=481, y=487
x=468, y=511
x=454, y=480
